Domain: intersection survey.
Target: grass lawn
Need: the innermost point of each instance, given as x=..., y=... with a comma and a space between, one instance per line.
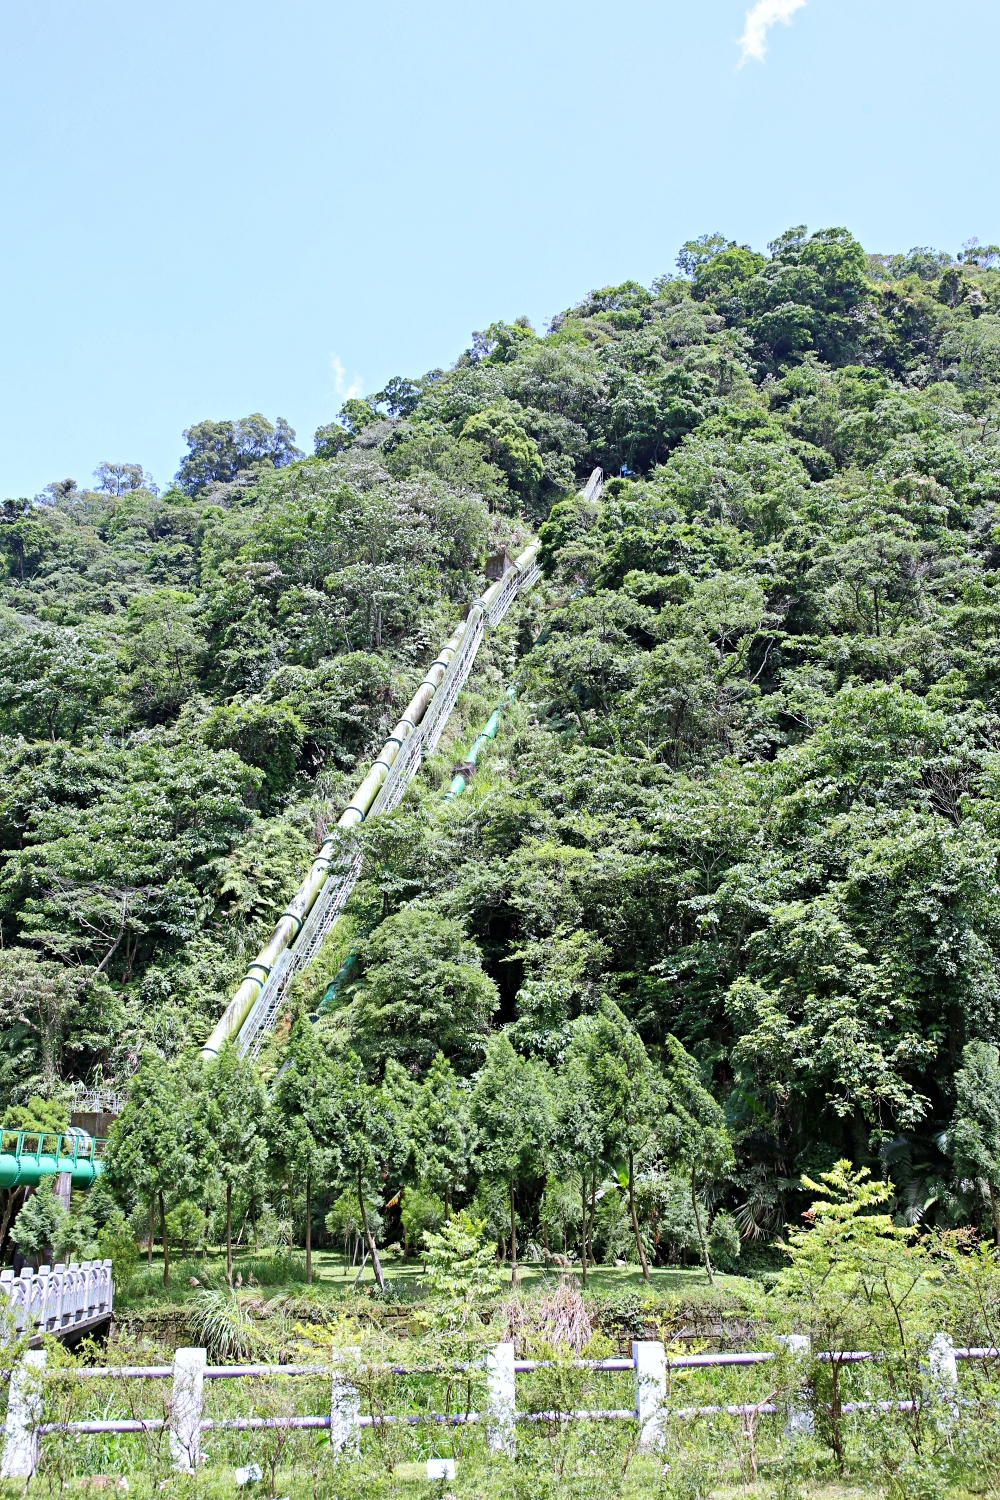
x=405, y=1279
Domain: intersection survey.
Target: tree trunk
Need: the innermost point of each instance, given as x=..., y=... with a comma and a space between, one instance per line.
x=152, y=1232
x=229, y=1233
x=701, y=1233
x=635, y=1217
x=14, y=1195
x=309, y=1241
x=376, y=1263
x=583, y=1228
x=513, y=1238
x=593, y=1211
x=163, y=1237
x=995, y=1205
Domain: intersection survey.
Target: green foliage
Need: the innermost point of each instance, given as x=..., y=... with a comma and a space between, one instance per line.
x=975, y=1128
x=440, y=1126
x=221, y=451
x=185, y=1225
x=266, y=735
x=461, y=1267
x=47, y=1117
x=52, y=684
x=506, y=444
x=721, y=906
x=422, y=1211
x=510, y=1109
x=116, y=1243
x=847, y=1243
x=158, y=1144
x=422, y=991
x=224, y=1324
x=302, y=1124
x=38, y=1221
x=724, y=1241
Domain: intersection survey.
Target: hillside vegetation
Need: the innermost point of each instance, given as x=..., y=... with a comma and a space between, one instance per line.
x=745, y=809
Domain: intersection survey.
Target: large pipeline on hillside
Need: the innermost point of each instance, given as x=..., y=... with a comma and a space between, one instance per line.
x=298, y=909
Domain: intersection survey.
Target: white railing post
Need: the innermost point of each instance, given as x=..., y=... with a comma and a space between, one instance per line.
x=108, y=1294
x=24, y=1412
x=800, y=1417
x=73, y=1287
x=24, y=1298
x=345, y=1403
x=649, y=1359
x=39, y=1283
x=500, y=1400
x=7, y=1285
x=185, y=1409
x=46, y=1292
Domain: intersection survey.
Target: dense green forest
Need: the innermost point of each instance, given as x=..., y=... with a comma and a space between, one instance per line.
x=740, y=830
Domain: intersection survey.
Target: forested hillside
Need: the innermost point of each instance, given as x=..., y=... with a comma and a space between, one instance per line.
x=748, y=799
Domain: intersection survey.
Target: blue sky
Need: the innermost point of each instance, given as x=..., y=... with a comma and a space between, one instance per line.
x=215, y=208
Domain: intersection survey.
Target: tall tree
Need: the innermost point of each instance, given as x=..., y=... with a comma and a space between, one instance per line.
x=299, y=1130
x=693, y=1130
x=368, y=1140
x=220, y=451
x=511, y=1109
x=578, y=1135
x=443, y=1131
x=234, y=1114
x=423, y=992
x=974, y=1138
x=158, y=1146
x=626, y=1090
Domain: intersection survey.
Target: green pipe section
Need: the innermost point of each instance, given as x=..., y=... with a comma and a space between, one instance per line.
x=337, y=982
x=461, y=779
x=292, y=920
x=22, y=1165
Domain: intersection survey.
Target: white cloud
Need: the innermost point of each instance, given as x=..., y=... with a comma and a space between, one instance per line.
x=357, y=385
x=760, y=19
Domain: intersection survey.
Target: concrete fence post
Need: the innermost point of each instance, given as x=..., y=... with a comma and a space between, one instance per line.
x=501, y=1400
x=941, y=1370
x=345, y=1403
x=24, y=1412
x=186, y=1408
x=649, y=1359
x=800, y=1417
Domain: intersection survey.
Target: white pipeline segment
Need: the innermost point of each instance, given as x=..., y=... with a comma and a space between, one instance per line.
x=298, y=909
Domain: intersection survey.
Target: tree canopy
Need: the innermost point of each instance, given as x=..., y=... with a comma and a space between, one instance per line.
x=741, y=821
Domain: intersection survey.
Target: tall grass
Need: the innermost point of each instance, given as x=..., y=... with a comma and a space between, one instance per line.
x=227, y=1326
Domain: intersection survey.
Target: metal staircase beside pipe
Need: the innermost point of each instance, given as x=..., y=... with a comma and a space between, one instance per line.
x=254, y=1008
